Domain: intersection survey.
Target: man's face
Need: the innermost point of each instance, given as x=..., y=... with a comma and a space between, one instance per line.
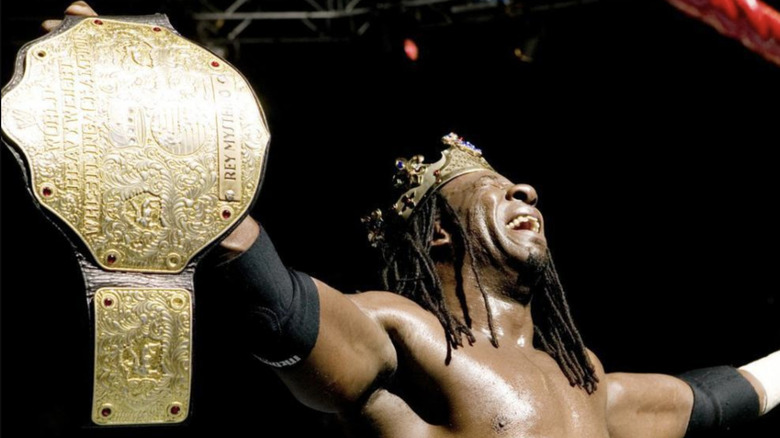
x=503, y=225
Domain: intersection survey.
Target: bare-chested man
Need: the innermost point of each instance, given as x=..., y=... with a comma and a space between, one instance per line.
x=457, y=352
x=461, y=359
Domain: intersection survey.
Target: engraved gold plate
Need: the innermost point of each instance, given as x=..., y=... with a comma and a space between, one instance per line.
x=147, y=145
x=149, y=148
x=142, y=355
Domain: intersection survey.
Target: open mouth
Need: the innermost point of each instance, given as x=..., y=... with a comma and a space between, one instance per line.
x=524, y=222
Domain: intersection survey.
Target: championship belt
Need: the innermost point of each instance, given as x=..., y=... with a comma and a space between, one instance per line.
x=145, y=149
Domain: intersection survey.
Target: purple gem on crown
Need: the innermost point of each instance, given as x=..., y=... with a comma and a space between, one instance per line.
x=471, y=146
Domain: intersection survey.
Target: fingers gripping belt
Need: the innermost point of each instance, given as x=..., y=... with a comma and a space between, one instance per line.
x=285, y=308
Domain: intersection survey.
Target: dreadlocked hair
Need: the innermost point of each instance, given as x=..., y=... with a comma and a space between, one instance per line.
x=409, y=269
x=555, y=331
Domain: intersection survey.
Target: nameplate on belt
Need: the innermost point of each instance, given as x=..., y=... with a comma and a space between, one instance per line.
x=146, y=149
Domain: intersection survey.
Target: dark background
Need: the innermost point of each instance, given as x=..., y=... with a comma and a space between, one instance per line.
x=647, y=135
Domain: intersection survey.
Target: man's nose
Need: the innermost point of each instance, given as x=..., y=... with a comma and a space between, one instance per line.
x=522, y=192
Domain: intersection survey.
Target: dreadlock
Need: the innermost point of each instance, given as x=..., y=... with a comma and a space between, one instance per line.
x=554, y=329
x=409, y=270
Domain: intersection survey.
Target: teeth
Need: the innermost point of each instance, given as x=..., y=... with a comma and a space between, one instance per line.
x=514, y=224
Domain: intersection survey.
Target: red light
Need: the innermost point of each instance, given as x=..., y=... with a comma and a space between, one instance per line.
x=411, y=50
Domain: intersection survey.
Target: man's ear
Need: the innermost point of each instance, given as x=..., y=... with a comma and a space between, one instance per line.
x=441, y=237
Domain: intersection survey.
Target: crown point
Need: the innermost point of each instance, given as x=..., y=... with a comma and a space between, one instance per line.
x=415, y=177
x=375, y=226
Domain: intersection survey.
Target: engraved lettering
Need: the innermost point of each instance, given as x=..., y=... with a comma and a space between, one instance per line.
x=72, y=167
x=71, y=132
x=68, y=91
x=51, y=120
x=88, y=103
x=229, y=140
x=89, y=160
x=228, y=130
x=91, y=198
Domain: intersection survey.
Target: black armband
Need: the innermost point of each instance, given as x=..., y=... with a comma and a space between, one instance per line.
x=284, y=317
x=721, y=397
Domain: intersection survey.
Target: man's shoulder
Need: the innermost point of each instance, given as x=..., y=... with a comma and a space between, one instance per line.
x=380, y=302
x=413, y=330
x=600, y=373
x=393, y=310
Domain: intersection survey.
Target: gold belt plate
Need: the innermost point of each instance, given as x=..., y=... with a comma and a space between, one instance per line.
x=145, y=144
x=143, y=353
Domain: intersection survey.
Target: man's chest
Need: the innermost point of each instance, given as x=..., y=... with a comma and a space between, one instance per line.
x=495, y=392
x=518, y=395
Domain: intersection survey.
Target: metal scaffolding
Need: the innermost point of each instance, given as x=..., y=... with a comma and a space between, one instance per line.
x=224, y=23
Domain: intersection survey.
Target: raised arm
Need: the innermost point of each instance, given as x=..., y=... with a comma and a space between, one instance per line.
x=329, y=352
x=660, y=406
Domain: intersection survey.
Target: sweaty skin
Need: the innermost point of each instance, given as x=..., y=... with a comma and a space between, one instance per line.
x=379, y=359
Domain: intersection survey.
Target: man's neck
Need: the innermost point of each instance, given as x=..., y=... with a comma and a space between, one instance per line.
x=512, y=322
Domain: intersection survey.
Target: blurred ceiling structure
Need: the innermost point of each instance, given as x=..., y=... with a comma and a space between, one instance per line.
x=284, y=21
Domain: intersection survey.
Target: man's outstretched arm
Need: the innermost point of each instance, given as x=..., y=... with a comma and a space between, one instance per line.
x=328, y=351
x=647, y=406
x=655, y=405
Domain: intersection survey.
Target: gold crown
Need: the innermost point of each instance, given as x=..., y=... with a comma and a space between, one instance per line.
x=419, y=180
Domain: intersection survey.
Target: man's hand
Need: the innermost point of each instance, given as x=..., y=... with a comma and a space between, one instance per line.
x=76, y=8
x=243, y=236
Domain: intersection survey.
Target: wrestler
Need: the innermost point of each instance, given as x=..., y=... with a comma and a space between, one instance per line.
x=458, y=351
x=476, y=340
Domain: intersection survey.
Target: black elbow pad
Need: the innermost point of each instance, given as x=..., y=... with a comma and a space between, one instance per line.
x=721, y=397
x=284, y=308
